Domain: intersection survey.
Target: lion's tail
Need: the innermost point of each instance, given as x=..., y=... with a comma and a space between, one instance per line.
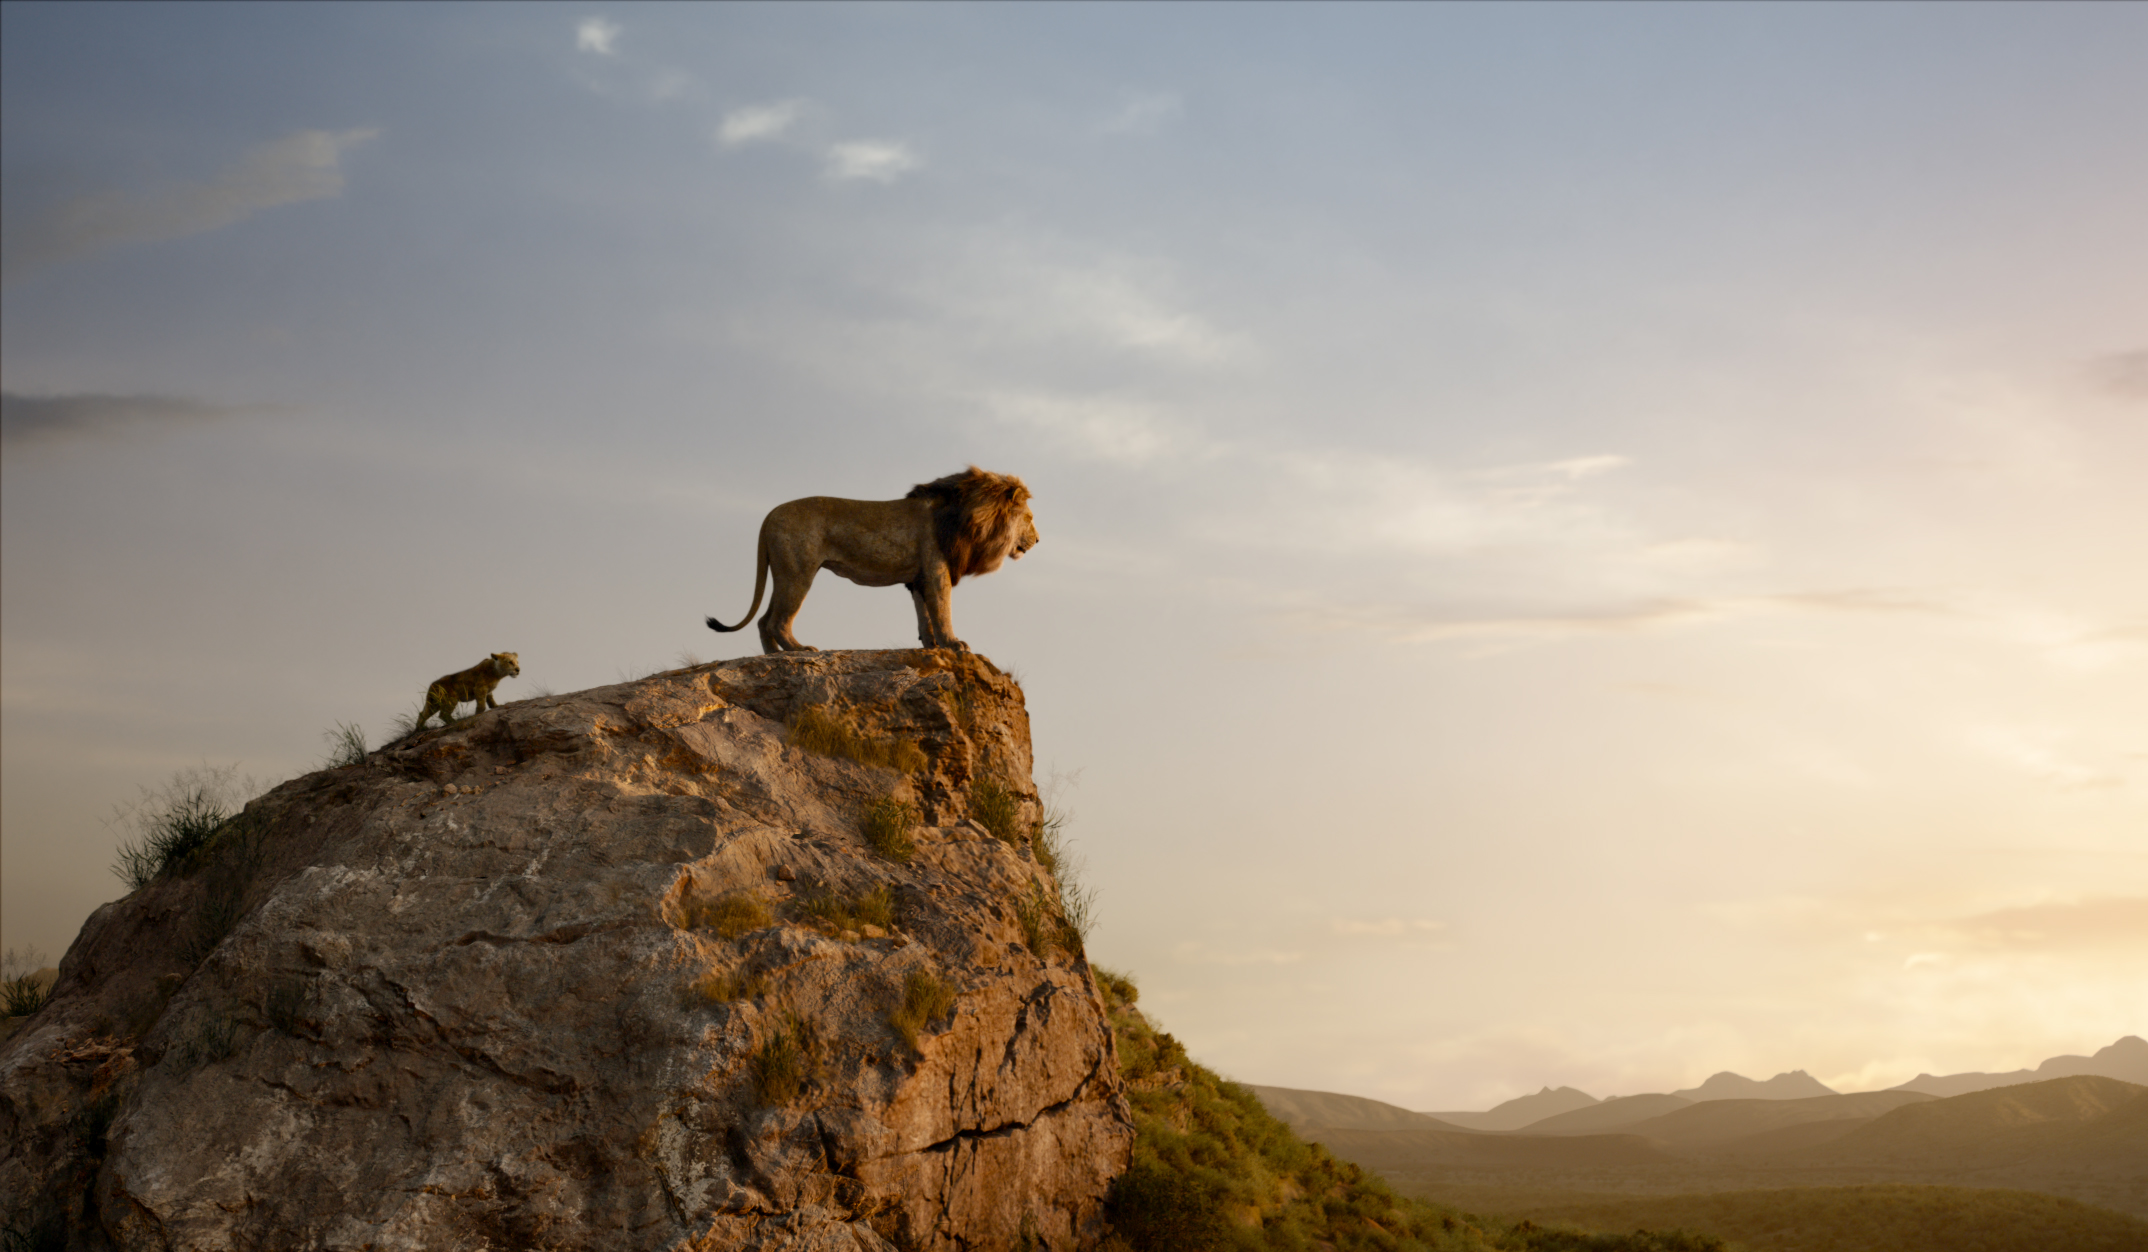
x=760, y=584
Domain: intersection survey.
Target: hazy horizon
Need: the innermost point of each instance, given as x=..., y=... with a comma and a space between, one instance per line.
x=1581, y=545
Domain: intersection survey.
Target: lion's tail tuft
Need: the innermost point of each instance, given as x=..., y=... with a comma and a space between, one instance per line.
x=760, y=580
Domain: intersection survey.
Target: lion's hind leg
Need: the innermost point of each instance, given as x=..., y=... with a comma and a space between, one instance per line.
x=782, y=612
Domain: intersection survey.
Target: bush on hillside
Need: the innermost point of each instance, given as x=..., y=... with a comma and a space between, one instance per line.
x=175, y=822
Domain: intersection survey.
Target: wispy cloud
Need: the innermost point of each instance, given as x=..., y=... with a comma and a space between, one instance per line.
x=2040, y=752
x=36, y=418
x=1103, y=428
x=1199, y=952
x=757, y=122
x=2123, y=374
x=1428, y=625
x=1144, y=113
x=598, y=35
x=1413, y=930
x=871, y=160
x=305, y=165
x=2104, y=921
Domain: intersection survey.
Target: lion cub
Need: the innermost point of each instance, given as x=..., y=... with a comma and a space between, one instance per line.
x=473, y=685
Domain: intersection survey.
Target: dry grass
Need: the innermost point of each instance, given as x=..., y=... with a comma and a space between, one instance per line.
x=730, y=916
x=825, y=729
x=1049, y=844
x=924, y=999
x=725, y=987
x=787, y=1062
x=346, y=745
x=995, y=806
x=886, y=825
x=1042, y=928
x=836, y=914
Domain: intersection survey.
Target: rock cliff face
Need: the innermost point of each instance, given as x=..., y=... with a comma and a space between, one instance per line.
x=606, y=970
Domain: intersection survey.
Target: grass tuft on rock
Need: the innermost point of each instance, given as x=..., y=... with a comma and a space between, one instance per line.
x=995, y=806
x=788, y=1061
x=346, y=745
x=837, y=913
x=732, y=915
x=886, y=824
x=826, y=730
x=925, y=999
x=22, y=992
x=174, y=823
x=725, y=987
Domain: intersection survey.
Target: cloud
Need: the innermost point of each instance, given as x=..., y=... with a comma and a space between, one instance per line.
x=1574, y=469
x=1196, y=952
x=2036, y=752
x=36, y=418
x=758, y=122
x=871, y=160
x=304, y=165
x=1144, y=113
x=1416, y=930
x=2123, y=374
x=598, y=35
x=1103, y=428
x=2104, y=921
x=1433, y=625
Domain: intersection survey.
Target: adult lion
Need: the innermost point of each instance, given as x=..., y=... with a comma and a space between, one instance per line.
x=942, y=532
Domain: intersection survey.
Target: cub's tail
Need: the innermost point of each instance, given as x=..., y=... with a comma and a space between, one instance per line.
x=760, y=584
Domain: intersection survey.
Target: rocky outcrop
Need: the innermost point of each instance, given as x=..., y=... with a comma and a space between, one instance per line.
x=607, y=970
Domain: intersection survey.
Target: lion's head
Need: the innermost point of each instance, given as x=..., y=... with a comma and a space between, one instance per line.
x=980, y=519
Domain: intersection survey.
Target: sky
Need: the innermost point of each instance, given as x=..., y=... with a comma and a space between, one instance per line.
x=1582, y=544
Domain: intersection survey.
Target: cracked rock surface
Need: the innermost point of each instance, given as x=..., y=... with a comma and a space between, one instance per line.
x=524, y=1013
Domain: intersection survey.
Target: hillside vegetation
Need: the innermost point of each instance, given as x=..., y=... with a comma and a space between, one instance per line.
x=1879, y=1218
x=1213, y=1170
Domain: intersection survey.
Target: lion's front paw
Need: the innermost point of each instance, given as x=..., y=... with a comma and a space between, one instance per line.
x=956, y=645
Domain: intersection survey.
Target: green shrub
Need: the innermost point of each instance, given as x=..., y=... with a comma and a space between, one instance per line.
x=1152, y=1205
x=886, y=825
x=924, y=1000
x=788, y=1062
x=1117, y=988
x=994, y=806
x=825, y=730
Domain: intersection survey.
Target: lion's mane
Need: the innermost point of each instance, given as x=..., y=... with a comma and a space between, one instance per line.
x=977, y=518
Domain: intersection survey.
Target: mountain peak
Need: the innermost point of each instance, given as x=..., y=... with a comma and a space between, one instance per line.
x=1794, y=1085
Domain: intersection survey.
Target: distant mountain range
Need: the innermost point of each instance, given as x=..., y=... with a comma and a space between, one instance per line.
x=1567, y=1111
x=2126, y=1060
x=2084, y=1136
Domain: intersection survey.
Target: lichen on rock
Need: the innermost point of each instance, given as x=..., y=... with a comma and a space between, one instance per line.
x=523, y=982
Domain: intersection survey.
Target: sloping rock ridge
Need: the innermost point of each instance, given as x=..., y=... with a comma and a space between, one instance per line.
x=591, y=971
